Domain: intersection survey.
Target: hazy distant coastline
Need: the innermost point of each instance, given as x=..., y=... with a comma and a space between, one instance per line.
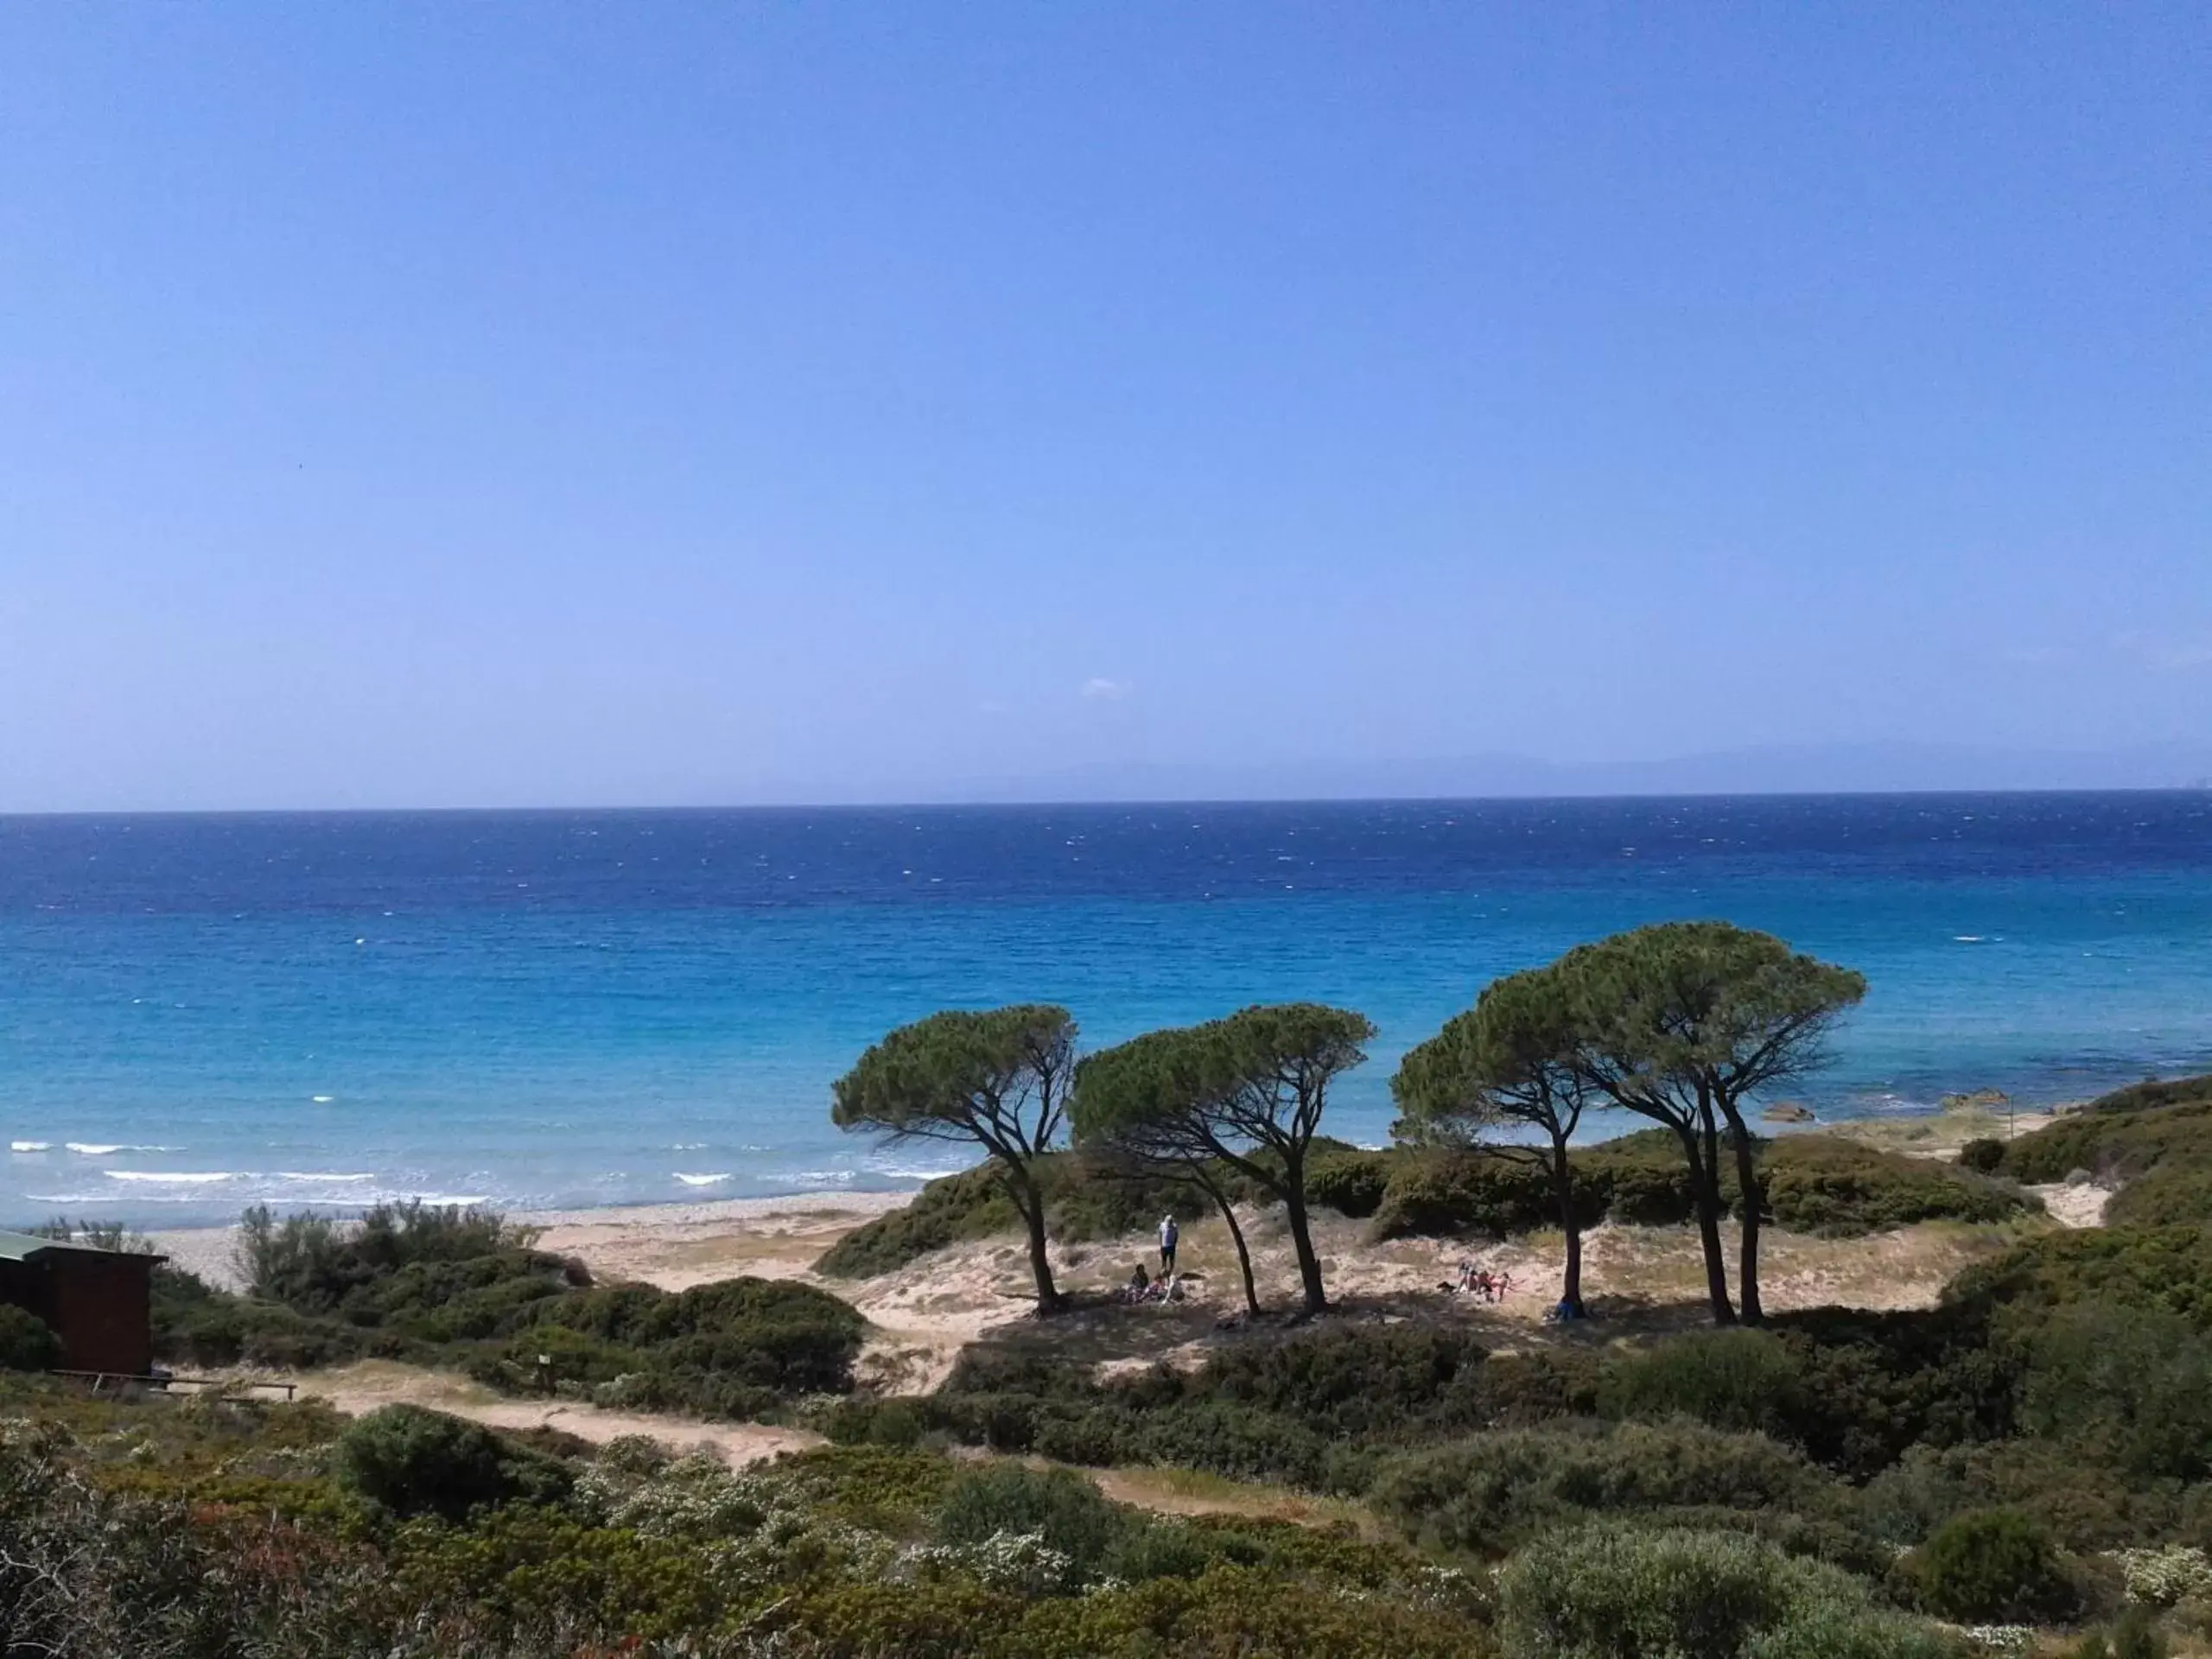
x=1799, y=769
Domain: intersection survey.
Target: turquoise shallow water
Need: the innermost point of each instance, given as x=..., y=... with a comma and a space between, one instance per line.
x=198, y=1013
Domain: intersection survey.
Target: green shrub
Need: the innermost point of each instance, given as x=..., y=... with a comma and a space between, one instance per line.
x=2173, y=1194
x=1814, y=1183
x=875, y=1422
x=1234, y=1609
x=26, y=1342
x=1610, y=1594
x=316, y=1265
x=1351, y=1183
x=1983, y=1156
x=1448, y=1194
x=2136, y=1636
x=2123, y=1147
x=1729, y=1379
x=1084, y=1200
x=417, y=1462
x=2084, y=1506
x=1642, y=1180
x=971, y=1204
x=2165, y=1268
x=1314, y=1408
x=1064, y=1510
x=2152, y=1092
x=2131, y=1386
x=1872, y=1384
x=1487, y=1494
x=1817, y=1184
x=1991, y=1565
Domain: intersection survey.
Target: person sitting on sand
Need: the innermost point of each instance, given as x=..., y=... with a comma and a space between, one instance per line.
x=1140, y=1282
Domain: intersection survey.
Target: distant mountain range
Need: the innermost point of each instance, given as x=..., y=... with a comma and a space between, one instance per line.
x=1807, y=769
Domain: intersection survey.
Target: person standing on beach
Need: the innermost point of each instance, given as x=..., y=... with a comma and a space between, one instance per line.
x=1167, y=1237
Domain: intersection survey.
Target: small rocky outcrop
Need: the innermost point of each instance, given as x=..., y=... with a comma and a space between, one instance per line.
x=1981, y=1100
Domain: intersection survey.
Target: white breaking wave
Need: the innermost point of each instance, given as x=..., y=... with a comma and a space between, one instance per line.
x=915, y=1171
x=30, y=1146
x=171, y=1177
x=704, y=1181
x=318, y=1175
x=813, y=1178
x=108, y=1149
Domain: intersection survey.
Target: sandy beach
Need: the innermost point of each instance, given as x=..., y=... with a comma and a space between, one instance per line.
x=671, y=1245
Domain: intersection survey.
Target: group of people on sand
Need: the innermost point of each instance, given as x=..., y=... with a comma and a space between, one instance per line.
x=1474, y=1281
x=1168, y=1287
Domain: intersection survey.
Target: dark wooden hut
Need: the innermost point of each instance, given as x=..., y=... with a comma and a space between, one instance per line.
x=99, y=1303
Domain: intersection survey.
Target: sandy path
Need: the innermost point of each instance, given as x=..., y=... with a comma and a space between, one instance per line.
x=2074, y=1206
x=362, y=1387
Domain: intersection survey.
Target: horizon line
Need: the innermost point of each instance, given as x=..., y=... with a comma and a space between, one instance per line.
x=1130, y=802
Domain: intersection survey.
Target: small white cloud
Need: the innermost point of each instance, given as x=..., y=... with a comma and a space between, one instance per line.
x=1101, y=690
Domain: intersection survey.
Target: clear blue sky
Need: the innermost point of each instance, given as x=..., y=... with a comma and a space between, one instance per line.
x=573, y=404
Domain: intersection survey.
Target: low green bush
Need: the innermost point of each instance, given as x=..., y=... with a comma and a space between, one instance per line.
x=1485, y=1494
x=2136, y=1635
x=1990, y=1565
x=1872, y=1384
x=1065, y=1511
x=1084, y=1200
x=734, y=1348
x=875, y=1422
x=314, y=1264
x=1984, y=1156
x=27, y=1344
x=1451, y=1194
x=2086, y=1506
x=411, y=1461
x=1814, y=1183
x=971, y=1205
x=2154, y=1092
x=2130, y=1386
x=2160, y=1269
x=1728, y=1379
x=1315, y=1408
x=2174, y=1194
x=2158, y=1150
x=1821, y=1184
x=1351, y=1183
x=1611, y=1593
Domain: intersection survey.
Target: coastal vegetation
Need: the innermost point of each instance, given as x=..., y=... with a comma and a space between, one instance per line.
x=2030, y=1447
x=997, y=1080
x=466, y=1290
x=1242, y=1095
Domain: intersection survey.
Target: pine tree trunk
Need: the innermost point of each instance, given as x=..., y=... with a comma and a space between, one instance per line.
x=1030, y=1203
x=1243, y=1256
x=1705, y=1186
x=1754, y=1189
x=1302, y=1239
x=1570, y=1293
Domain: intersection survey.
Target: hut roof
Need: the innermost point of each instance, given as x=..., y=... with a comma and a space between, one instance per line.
x=24, y=1247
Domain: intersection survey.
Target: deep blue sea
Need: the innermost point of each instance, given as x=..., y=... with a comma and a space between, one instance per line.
x=600, y=1007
